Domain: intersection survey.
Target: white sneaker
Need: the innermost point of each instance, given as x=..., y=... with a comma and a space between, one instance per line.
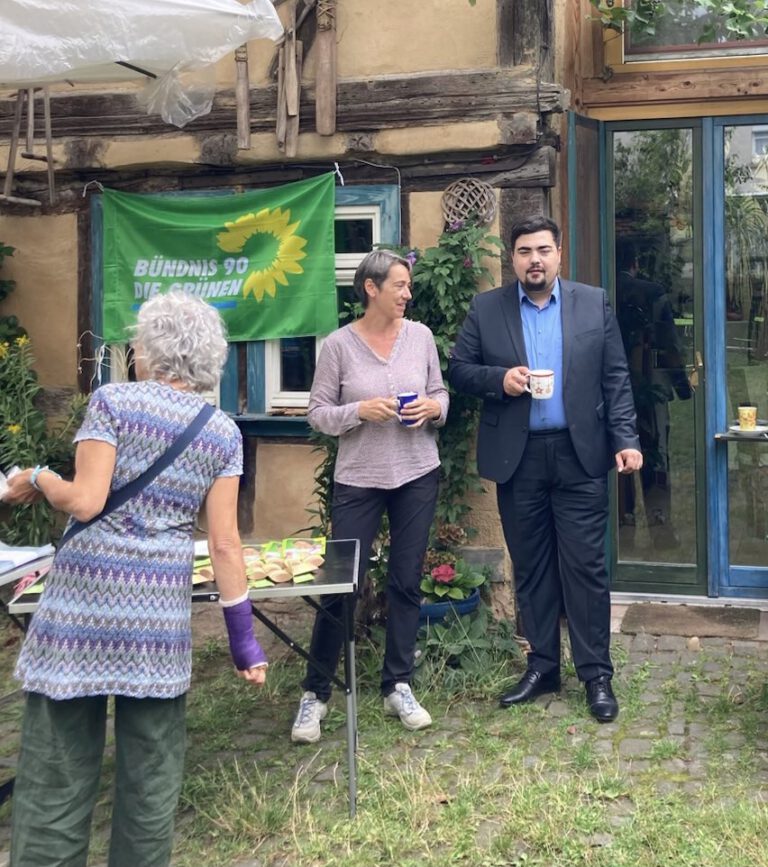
x=402, y=703
x=306, y=726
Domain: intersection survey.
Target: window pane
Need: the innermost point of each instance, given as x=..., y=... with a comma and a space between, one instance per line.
x=685, y=25
x=746, y=340
x=654, y=305
x=297, y=363
x=346, y=297
x=354, y=236
x=760, y=142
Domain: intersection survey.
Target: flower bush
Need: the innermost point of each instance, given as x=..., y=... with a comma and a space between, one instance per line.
x=27, y=439
x=448, y=581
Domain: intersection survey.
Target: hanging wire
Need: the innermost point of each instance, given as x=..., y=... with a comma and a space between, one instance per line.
x=98, y=359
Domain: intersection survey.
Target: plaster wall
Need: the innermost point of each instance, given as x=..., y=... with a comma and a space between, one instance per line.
x=398, y=42
x=284, y=482
x=44, y=267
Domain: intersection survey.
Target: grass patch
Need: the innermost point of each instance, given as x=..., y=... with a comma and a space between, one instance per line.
x=542, y=785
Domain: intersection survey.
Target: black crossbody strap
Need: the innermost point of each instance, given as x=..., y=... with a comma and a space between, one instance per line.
x=122, y=495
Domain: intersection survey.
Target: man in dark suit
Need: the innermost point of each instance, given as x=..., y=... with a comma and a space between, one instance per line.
x=550, y=458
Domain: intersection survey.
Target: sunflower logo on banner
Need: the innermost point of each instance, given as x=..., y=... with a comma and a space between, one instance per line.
x=264, y=258
x=280, y=258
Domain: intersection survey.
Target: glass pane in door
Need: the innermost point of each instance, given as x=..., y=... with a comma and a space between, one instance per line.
x=746, y=340
x=653, y=226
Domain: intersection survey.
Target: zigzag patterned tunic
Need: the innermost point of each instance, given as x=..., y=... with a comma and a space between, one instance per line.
x=115, y=615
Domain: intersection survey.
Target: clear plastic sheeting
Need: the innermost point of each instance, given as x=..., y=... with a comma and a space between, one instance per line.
x=180, y=96
x=46, y=41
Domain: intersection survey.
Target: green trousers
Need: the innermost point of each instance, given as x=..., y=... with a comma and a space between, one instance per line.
x=57, y=781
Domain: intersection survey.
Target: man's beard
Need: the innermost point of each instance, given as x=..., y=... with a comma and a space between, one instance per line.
x=539, y=285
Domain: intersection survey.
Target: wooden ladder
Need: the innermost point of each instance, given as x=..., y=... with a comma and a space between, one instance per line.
x=27, y=97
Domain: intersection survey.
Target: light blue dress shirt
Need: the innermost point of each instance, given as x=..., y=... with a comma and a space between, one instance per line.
x=543, y=333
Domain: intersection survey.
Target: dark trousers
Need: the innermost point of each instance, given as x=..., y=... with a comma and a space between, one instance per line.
x=554, y=518
x=62, y=745
x=356, y=513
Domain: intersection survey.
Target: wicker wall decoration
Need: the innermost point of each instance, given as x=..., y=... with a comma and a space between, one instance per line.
x=467, y=199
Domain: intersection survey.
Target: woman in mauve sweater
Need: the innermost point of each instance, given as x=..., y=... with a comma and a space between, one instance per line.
x=387, y=461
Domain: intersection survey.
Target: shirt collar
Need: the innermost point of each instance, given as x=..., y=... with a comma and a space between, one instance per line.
x=554, y=298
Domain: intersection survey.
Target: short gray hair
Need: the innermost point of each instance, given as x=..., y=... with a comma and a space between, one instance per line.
x=182, y=337
x=375, y=266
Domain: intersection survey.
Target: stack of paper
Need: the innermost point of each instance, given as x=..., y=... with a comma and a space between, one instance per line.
x=12, y=556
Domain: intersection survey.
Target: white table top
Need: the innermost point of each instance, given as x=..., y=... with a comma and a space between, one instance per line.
x=10, y=575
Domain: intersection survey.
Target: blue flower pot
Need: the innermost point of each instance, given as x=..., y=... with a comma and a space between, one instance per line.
x=434, y=612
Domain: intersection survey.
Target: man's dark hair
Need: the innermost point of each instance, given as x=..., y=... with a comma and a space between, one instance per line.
x=530, y=225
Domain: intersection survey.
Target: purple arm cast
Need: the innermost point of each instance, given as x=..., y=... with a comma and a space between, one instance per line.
x=245, y=649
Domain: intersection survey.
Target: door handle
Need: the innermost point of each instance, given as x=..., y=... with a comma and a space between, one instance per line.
x=693, y=376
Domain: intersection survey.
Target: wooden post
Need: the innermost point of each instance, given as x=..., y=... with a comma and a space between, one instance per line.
x=14, y=144
x=30, y=121
x=292, y=126
x=282, y=116
x=49, y=143
x=325, y=80
x=291, y=81
x=242, y=98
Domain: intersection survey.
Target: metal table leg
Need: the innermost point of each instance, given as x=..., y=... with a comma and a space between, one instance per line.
x=350, y=686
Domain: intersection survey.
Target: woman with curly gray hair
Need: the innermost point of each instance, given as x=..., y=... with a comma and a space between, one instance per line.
x=115, y=615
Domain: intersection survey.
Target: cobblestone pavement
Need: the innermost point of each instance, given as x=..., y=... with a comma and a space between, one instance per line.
x=694, y=714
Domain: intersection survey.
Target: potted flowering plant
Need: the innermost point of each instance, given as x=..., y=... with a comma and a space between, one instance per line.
x=451, y=581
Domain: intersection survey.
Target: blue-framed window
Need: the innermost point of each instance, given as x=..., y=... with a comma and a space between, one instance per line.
x=266, y=383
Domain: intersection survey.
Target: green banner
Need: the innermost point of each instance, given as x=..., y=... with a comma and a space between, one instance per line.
x=264, y=259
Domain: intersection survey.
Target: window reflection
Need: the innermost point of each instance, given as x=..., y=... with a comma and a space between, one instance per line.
x=297, y=363
x=746, y=339
x=689, y=28
x=654, y=306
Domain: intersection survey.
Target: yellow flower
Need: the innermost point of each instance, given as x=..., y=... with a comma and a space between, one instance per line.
x=13, y=429
x=23, y=340
x=4, y=350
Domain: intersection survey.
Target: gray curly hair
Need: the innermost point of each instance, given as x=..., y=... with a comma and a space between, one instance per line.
x=181, y=337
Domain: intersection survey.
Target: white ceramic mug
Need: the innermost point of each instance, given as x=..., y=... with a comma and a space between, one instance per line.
x=541, y=384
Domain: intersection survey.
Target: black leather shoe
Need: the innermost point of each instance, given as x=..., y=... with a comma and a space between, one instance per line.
x=601, y=700
x=531, y=684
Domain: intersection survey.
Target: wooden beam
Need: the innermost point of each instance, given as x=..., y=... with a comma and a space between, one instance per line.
x=532, y=34
x=427, y=99
x=665, y=87
x=506, y=166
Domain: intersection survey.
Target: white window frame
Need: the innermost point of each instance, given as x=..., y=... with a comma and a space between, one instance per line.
x=346, y=264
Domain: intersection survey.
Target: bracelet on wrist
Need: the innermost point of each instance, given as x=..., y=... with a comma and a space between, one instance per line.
x=36, y=472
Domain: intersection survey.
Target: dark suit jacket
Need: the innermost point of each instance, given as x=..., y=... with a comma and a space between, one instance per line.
x=596, y=387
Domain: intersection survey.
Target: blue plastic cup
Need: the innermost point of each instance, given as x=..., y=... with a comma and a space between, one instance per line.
x=402, y=399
